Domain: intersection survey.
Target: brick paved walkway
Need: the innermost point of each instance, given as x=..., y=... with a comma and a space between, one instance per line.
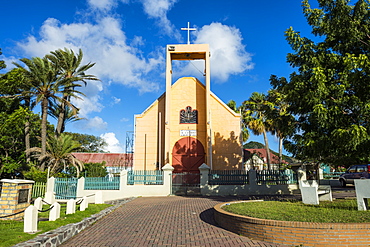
x=162, y=221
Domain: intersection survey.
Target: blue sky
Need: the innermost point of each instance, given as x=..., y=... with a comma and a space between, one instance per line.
x=127, y=39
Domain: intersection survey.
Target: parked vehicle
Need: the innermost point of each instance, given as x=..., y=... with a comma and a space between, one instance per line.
x=354, y=172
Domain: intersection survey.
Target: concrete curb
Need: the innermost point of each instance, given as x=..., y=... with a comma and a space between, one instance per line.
x=63, y=233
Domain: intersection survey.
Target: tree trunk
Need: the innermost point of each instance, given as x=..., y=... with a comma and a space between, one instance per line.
x=27, y=133
x=61, y=118
x=267, y=150
x=280, y=150
x=44, y=108
x=27, y=138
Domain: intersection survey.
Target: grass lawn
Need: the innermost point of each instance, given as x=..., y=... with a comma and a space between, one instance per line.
x=12, y=231
x=337, y=211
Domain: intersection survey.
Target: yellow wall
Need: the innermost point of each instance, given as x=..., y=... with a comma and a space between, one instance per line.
x=187, y=91
x=146, y=148
x=224, y=124
x=226, y=143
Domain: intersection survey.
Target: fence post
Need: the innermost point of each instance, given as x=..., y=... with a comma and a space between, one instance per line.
x=50, y=188
x=204, y=172
x=50, y=184
x=167, y=177
x=54, y=212
x=38, y=203
x=80, y=187
x=30, y=219
x=123, y=180
x=99, y=197
x=252, y=177
x=71, y=206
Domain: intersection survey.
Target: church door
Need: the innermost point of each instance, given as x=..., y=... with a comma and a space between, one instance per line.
x=187, y=155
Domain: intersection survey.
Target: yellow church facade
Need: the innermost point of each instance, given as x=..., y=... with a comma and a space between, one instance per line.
x=188, y=125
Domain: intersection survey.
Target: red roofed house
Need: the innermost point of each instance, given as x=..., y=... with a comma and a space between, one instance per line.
x=257, y=159
x=114, y=162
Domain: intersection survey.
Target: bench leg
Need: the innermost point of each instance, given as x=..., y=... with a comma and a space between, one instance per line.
x=361, y=203
x=326, y=197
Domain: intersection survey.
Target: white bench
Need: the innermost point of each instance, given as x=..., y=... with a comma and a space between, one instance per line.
x=362, y=187
x=312, y=192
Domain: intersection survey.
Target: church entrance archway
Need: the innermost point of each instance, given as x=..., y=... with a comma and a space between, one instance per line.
x=187, y=155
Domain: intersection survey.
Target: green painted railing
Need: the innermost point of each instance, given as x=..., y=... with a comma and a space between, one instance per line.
x=230, y=177
x=38, y=189
x=65, y=188
x=102, y=183
x=272, y=177
x=145, y=177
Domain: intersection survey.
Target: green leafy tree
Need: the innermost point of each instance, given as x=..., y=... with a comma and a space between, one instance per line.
x=89, y=143
x=15, y=88
x=71, y=70
x=95, y=170
x=329, y=92
x=255, y=116
x=12, y=144
x=58, y=156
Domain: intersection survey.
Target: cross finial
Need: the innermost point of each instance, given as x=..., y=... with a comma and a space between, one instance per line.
x=188, y=29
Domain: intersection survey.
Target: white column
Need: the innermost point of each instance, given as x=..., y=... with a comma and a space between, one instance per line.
x=80, y=187
x=71, y=206
x=30, y=219
x=54, y=212
x=84, y=204
x=38, y=203
x=167, y=177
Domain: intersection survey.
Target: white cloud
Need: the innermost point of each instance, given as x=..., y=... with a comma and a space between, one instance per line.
x=124, y=119
x=158, y=9
x=228, y=54
x=95, y=123
x=115, y=100
x=113, y=145
x=104, y=43
x=102, y=5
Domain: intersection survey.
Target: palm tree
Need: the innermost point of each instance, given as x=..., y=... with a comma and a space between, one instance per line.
x=282, y=120
x=255, y=117
x=69, y=114
x=244, y=129
x=45, y=85
x=71, y=70
x=59, y=154
x=42, y=75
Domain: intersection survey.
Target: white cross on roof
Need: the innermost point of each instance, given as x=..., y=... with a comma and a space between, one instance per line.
x=188, y=29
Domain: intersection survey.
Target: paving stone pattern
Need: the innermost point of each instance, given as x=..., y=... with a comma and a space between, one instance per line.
x=162, y=221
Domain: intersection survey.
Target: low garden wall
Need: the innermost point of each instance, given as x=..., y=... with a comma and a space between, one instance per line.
x=294, y=233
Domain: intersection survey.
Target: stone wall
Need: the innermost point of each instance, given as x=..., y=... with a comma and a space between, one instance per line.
x=11, y=202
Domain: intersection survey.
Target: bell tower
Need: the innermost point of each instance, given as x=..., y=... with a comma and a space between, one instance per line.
x=187, y=52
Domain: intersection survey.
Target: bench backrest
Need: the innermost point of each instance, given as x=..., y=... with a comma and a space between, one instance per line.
x=308, y=183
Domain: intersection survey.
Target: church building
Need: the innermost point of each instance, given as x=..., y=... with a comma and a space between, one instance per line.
x=188, y=125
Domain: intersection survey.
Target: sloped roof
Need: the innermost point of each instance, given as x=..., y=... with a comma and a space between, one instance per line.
x=111, y=159
x=261, y=152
